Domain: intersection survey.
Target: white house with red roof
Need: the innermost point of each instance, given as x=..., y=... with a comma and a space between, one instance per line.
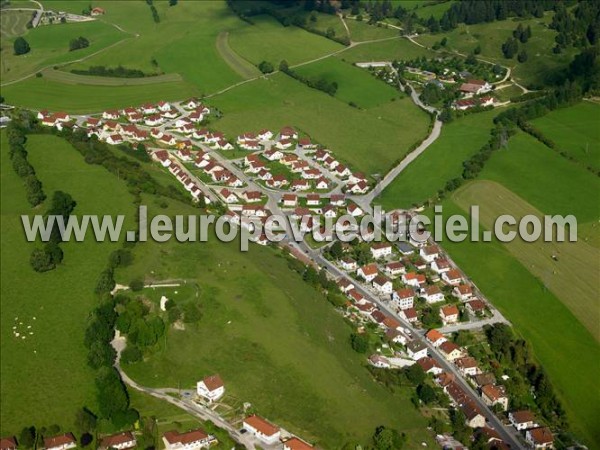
x=211, y=388
x=433, y=294
x=154, y=120
x=403, y=298
x=61, y=442
x=264, y=135
x=120, y=441
x=190, y=440
x=296, y=444
x=288, y=133
x=449, y=314
x=284, y=144
x=114, y=139
x=540, y=437
x=452, y=277
x=368, y=272
x=112, y=114
x=381, y=250
x=262, y=429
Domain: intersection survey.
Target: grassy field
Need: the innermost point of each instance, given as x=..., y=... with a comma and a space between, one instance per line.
x=572, y=278
x=441, y=162
x=13, y=23
x=575, y=131
x=40, y=93
x=393, y=49
x=354, y=84
x=371, y=140
x=577, y=193
x=244, y=68
x=61, y=76
x=541, y=62
x=50, y=45
x=362, y=31
x=268, y=40
x=279, y=346
x=566, y=350
x=35, y=371
x=431, y=9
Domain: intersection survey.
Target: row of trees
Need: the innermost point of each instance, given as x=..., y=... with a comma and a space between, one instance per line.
x=17, y=138
x=78, y=43
x=329, y=87
x=155, y=15
x=118, y=72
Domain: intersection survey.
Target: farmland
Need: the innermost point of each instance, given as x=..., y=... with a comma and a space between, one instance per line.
x=440, y=163
x=388, y=50
x=13, y=23
x=279, y=101
x=33, y=370
x=575, y=131
x=539, y=316
x=354, y=85
x=302, y=373
x=361, y=31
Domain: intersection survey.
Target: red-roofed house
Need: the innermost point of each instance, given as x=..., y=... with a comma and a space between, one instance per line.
x=368, y=272
x=262, y=429
x=191, y=440
x=540, y=437
x=211, y=388
x=449, y=314
x=8, y=443
x=62, y=442
x=121, y=441
x=403, y=298
x=296, y=444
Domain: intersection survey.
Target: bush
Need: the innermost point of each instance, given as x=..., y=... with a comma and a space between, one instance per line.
x=21, y=46
x=79, y=43
x=266, y=67
x=136, y=285
x=359, y=342
x=131, y=354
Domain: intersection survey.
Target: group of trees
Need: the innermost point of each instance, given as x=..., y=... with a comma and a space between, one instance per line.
x=17, y=137
x=119, y=72
x=578, y=26
x=21, y=46
x=155, y=15
x=266, y=67
x=329, y=87
x=85, y=423
x=78, y=43
x=51, y=255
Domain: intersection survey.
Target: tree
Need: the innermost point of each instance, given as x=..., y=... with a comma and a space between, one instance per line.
x=415, y=374
x=336, y=250
x=359, y=343
x=283, y=66
x=131, y=354
x=471, y=60
x=266, y=67
x=27, y=437
x=522, y=57
x=40, y=260
x=78, y=43
x=444, y=41
x=426, y=393
x=446, y=115
x=388, y=439
x=510, y=48
x=136, y=285
x=477, y=50
x=172, y=2
x=85, y=421
x=21, y=46
x=330, y=33
x=106, y=282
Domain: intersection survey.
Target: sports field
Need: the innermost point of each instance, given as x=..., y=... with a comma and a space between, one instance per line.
x=54, y=304
x=279, y=346
x=370, y=140
x=563, y=346
x=354, y=84
x=541, y=61
x=441, y=162
x=575, y=131
x=268, y=40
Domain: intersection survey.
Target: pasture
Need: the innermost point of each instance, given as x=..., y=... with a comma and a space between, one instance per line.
x=279, y=346
x=554, y=333
x=575, y=131
x=354, y=84
x=244, y=68
x=361, y=31
x=541, y=63
x=72, y=78
x=370, y=140
x=50, y=46
x=268, y=40
x=40, y=93
x=388, y=50
x=13, y=23
x=55, y=304
x=441, y=162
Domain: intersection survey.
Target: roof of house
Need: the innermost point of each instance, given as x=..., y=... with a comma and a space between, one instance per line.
x=369, y=269
x=453, y=274
x=261, y=425
x=415, y=346
x=381, y=245
x=467, y=362
x=117, y=439
x=58, y=441
x=493, y=392
x=427, y=363
x=390, y=322
x=410, y=313
x=464, y=289
x=431, y=250
x=174, y=437
x=523, y=416
x=432, y=290
x=8, y=442
x=405, y=293
x=213, y=382
x=378, y=316
x=434, y=335
x=476, y=305
x=541, y=435
x=448, y=347
x=297, y=444
x=380, y=280
x=484, y=378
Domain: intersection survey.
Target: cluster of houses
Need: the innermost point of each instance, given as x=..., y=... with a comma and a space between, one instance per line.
x=121, y=441
x=355, y=182
x=473, y=95
x=286, y=140
x=270, y=434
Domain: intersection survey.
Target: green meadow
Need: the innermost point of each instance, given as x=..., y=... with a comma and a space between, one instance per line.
x=34, y=369
x=441, y=162
x=370, y=140
x=388, y=50
x=575, y=131
x=279, y=346
x=361, y=31
x=354, y=84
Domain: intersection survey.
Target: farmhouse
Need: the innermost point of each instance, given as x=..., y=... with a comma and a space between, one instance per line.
x=300, y=185
x=358, y=188
x=191, y=440
x=265, y=135
x=121, y=441
x=354, y=210
x=228, y=196
x=430, y=365
x=522, y=420
x=284, y=144
x=403, y=298
x=273, y=155
x=416, y=350
x=322, y=183
x=250, y=145
x=262, y=429
x=348, y=264
x=313, y=174
x=296, y=444
x=494, y=395
x=337, y=199
x=379, y=361
x=433, y=294
x=450, y=350
x=163, y=157
x=114, y=139
x=475, y=87
x=449, y=314
x=112, y=114
x=394, y=335
x=382, y=285
x=154, y=120
x=313, y=200
x=345, y=285
x=62, y=442
x=252, y=196
x=211, y=388
x=222, y=144
x=540, y=437
x=368, y=272
x=306, y=144
x=381, y=250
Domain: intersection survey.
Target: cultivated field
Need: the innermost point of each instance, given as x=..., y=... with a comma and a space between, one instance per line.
x=34, y=369
x=440, y=163
x=13, y=23
x=354, y=84
x=370, y=140
x=564, y=347
x=575, y=131
x=279, y=346
x=268, y=40
x=541, y=63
